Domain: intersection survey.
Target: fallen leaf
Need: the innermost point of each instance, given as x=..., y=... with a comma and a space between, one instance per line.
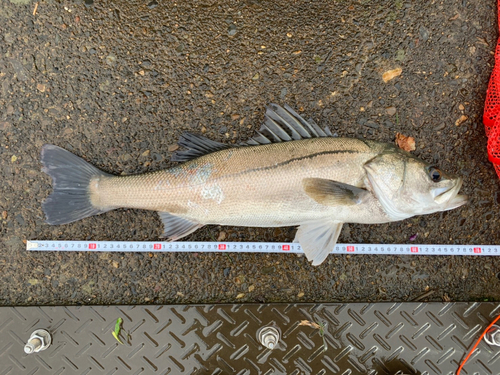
x=13, y=158
x=251, y=288
x=461, y=120
x=240, y=279
x=391, y=74
x=118, y=328
x=40, y=87
x=391, y=111
x=310, y=324
x=400, y=55
x=405, y=143
x=300, y=295
x=222, y=236
x=241, y=295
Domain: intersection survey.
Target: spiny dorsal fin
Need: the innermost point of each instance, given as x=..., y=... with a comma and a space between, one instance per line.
x=196, y=146
x=283, y=125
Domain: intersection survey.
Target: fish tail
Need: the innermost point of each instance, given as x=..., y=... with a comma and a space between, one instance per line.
x=71, y=176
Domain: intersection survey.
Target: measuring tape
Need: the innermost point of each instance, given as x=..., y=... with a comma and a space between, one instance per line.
x=258, y=247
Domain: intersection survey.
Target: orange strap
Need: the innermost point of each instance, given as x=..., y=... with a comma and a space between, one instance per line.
x=476, y=344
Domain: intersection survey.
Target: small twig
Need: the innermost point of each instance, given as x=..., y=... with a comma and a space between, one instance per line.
x=422, y=296
x=34, y=10
x=230, y=259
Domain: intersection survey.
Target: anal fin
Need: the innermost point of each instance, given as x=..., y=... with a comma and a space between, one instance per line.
x=318, y=238
x=176, y=227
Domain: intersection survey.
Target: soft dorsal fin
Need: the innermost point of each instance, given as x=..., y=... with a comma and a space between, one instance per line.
x=196, y=146
x=280, y=125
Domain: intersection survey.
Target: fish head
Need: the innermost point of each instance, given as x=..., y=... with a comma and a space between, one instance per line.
x=407, y=186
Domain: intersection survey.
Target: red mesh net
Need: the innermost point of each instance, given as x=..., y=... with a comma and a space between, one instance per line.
x=491, y=116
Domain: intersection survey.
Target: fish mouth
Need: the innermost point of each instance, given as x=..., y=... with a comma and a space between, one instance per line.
x=450, y=198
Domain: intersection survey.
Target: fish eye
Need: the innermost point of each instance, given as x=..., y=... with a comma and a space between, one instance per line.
x=435, y=174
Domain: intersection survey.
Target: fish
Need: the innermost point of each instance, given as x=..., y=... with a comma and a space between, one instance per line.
x=291, y=173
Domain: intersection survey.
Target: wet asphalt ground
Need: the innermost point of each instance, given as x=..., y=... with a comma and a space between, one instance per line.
x=117, y=82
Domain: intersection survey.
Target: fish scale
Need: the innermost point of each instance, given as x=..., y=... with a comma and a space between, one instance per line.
x=266, y=192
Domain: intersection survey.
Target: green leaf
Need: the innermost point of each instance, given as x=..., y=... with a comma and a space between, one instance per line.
x=318, y=59
x=118, y=328
x=400, y=55
x=322, y=327
x=116, y=337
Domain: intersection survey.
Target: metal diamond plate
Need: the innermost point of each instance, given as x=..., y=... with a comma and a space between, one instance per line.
x=379, y=338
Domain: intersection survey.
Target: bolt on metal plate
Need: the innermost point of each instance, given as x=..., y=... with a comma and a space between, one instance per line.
x=357, y=338
x=269, y=336
x=492, y=337
x=38, y=341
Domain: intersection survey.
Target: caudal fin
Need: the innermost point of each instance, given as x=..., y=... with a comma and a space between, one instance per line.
x=71, y=175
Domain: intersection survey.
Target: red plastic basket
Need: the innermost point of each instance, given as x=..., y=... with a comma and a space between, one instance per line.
x=491, y=116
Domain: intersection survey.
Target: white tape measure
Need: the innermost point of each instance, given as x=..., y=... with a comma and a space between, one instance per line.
x=258, y=247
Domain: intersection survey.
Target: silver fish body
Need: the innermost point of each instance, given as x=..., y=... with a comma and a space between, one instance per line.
x=257, y=186
x=314, y=181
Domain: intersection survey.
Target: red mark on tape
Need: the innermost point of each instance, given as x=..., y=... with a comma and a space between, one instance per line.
x=414, y=249
x=286, y=247
x=92, y=246
x=157, y=246
x=222, y=246
x=477, y=250
x=350, y=249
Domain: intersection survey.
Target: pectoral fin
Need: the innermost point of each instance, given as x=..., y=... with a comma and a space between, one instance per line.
x=177, y=227
x=333, y=193
x=318, y=238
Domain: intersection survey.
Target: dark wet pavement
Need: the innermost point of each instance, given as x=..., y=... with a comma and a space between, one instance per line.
x=117, y=82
